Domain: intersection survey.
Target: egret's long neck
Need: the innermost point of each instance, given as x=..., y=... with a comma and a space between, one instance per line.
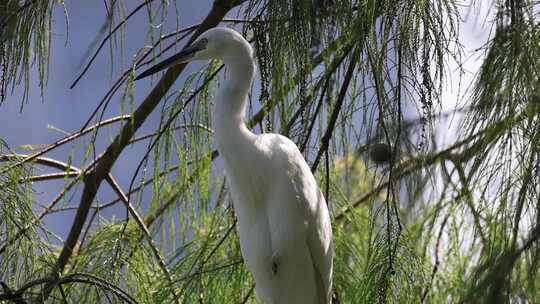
x=229, y=125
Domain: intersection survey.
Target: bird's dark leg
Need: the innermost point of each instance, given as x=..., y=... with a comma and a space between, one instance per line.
x=275, y=264
x=335, y=297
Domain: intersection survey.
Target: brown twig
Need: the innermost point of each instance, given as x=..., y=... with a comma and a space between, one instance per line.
x=329, y=71
x=335, y=113
x=140, y=222
x=48, y=176
x=45, y=161
x=64, y=140
x=437, y=261
x=118, y=26
x=249, y=294
x=72, y=278
x=104, y=102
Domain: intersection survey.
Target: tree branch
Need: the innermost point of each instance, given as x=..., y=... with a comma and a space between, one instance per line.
x=139, y=220
x=93, y=179
x=333, y=119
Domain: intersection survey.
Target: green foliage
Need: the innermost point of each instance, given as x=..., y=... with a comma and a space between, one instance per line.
x=25, y=250
x=24, y=41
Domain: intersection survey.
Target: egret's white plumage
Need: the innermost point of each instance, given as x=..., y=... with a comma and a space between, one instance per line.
x=283, y=220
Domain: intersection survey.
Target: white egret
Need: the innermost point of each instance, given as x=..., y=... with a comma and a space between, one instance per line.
x=283, y=221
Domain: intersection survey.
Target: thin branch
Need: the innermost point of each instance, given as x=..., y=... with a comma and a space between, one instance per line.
x=162, y=208
x=171, y=119
x=337, y=109
x=65, y=140
x=186, y=126
x=437, y=261
x=104, y=102
x=119, y=25
x=329, y=71
x=146, y=232
x=214, y=269
x=317, y=109
x=49, y=206
x=249, y=294
x=483, y=138
x=45, y=161
x=48, y=176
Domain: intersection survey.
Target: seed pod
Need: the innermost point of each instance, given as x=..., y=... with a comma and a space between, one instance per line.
x=380, y=153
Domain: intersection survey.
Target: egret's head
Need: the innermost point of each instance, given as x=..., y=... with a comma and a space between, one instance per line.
x=216, y=43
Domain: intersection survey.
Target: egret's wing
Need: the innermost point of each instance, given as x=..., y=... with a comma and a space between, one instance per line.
x=312, y=206
x=319, y=229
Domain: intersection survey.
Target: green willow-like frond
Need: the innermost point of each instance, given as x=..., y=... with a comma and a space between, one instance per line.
x=25, y=28
x=497, y=171
x=25, y=252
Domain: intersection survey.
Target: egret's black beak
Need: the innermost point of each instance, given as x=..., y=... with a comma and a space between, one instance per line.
x=184, y=56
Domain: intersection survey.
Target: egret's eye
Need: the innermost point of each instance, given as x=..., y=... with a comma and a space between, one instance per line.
x=204, y=42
